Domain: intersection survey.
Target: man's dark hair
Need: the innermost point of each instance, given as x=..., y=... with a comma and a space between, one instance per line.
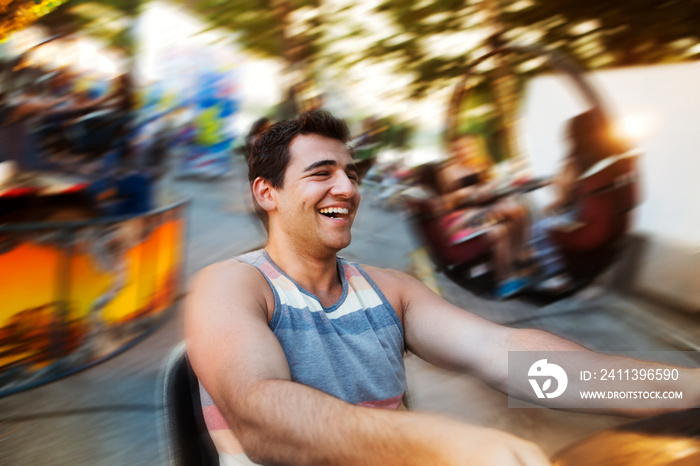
x=270, y=155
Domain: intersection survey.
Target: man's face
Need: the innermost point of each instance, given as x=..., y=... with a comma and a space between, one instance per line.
x=320, y=195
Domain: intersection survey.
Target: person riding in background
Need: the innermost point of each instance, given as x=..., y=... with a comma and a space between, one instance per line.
x=467, y=179
x=299, y=352
x=590, y=142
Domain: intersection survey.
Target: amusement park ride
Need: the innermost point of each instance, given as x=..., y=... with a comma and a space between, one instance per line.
x=607, y=193
x=89, y=263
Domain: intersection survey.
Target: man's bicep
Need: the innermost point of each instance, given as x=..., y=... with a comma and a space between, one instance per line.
x=228, y=339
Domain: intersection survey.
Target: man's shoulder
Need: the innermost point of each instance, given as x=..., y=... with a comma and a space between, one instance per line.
x=230, y=271
x=232, y=279
x=393, y=283
x=384, y=274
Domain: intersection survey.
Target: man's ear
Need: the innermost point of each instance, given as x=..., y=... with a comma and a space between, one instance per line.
x=264, y=194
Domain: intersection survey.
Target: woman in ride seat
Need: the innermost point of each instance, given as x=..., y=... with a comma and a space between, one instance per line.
x=590, y=142
x=466, y=179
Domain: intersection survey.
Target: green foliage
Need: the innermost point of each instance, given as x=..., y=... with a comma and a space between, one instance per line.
x=108, y=20
x=596, y=33
x=263, y=27
x=399, y=134
x=416, y=22
x=624, y=32
x=429, y=40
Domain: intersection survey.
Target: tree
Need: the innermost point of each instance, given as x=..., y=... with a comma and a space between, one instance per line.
x=287, y=29
x=18, y=14
x=108, y=20
x=595, y=33
x=620, y=33
x=430, y=41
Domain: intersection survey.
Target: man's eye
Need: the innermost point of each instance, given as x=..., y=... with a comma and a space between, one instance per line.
x=353, y=177
x=321, y=174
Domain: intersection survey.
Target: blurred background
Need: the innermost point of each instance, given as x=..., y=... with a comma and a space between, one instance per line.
x=124, y=131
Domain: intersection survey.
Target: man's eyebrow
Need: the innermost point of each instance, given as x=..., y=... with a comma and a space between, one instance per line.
x=321, y=163
x=329, y=162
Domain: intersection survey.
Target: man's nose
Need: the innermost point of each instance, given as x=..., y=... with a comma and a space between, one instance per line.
x=343, y=186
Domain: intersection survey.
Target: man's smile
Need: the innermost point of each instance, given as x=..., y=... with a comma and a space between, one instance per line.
x=340, y=214
x=335, y=212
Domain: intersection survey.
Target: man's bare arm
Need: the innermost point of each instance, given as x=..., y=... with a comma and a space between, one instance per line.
x=240, y=363
x=450, y=337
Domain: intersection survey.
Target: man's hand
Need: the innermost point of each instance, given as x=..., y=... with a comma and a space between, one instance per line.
x=496, y=447
x=462, y=444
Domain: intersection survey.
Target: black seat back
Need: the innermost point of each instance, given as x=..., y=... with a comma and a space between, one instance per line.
x=183, y=434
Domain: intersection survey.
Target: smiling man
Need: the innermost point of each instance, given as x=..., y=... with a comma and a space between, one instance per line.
x=296, y=348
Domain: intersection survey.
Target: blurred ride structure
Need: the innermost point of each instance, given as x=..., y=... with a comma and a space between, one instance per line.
x=89, y=263
x=606, y=194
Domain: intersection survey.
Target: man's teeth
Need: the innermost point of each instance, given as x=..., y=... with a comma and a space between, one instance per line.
x=334, y=210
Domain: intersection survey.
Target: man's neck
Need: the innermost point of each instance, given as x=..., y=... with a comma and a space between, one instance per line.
x=316, y=273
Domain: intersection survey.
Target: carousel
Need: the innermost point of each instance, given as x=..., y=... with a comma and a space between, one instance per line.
x=90, y=263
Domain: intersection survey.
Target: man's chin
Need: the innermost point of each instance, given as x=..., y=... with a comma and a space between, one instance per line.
x=338, y=243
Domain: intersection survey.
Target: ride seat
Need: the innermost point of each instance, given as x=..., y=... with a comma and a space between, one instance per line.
x=183, y=434
x=608, y=192
x=427, y=226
